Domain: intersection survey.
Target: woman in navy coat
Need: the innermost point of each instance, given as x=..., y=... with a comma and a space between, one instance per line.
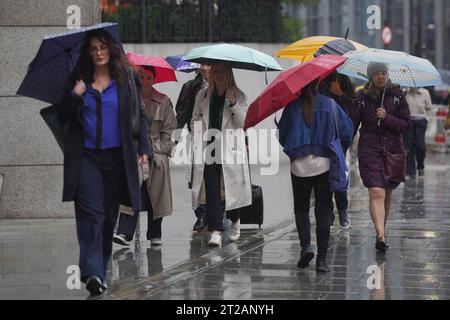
x=100, y=153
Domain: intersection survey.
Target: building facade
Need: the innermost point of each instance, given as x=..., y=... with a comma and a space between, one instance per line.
x=418, y=26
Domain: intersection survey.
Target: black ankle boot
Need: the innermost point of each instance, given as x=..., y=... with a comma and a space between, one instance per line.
x=381, y=245
x=321, y=265
x=305, y=257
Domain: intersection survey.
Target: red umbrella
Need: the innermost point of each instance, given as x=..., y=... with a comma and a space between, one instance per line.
x=286, y=87
x=164, y=71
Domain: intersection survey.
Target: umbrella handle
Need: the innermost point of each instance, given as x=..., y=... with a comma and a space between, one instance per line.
x=265, y=75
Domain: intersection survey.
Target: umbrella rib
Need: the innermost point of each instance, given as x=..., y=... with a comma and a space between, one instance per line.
x=412, y=76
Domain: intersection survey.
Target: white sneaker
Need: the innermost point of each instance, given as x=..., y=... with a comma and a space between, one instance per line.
x=156, y=241
x=121, y=239
x=235, y=231
x=215, y=239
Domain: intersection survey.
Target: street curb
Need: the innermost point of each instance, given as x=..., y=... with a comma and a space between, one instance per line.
x=152, y=285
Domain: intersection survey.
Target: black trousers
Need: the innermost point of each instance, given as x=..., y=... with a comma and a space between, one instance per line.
x=302, y=188
x=127, y=224
x=214, y=208
x=415, y=146
x=341, y=201
x=96, y=208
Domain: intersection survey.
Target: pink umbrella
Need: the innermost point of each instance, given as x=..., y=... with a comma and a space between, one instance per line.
x=164, y=71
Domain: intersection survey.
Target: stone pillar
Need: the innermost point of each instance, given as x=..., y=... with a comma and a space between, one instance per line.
x=326, y=18
x=351, y=19
x=439, y=33
x=407, y=26
x=30, y=160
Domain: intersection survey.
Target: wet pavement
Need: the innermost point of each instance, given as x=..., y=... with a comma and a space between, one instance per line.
x=35, y=254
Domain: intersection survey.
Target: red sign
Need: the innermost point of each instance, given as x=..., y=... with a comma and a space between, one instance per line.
x=386, y=35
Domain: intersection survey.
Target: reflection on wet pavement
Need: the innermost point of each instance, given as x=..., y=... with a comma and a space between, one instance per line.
x=417, y=265
x=34, y=254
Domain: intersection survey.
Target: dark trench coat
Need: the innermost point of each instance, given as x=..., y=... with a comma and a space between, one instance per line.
x=70, y=111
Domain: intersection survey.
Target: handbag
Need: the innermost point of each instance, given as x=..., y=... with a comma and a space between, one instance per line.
x=394, y=166
x=56, y=125
x=338, y=176
x=145, y=198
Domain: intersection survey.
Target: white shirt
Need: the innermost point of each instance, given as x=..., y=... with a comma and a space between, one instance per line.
x=310, y=166
x=419, y=101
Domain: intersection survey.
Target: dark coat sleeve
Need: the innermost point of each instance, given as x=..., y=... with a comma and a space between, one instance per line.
x=355, y=113
x=345, y=127
x=186, y=101
x=144, y=145
x=69, y=107
x=183, y=106
x=400, y=122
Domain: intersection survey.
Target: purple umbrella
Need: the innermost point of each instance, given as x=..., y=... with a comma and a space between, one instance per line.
x=179, y=64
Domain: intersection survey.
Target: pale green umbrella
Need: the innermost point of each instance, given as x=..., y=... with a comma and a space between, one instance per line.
x=240, y=57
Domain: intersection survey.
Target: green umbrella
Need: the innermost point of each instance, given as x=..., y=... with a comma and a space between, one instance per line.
x=240, y=57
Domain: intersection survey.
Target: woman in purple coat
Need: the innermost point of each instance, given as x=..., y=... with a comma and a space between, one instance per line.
x=380, y=128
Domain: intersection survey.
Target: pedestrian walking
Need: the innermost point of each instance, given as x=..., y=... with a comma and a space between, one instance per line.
x=184, y=108
x=159, y=109
x=100, y=156
x=447, y=119
x=382, y=110
x=419, y=101
x=306, y=129
x=340, y=88
x=223, y=175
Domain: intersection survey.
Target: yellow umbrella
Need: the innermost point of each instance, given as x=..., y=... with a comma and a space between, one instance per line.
x=304, y=49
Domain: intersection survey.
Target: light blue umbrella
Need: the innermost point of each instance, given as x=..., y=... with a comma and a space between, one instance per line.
x=240, y=57
x=403, y=68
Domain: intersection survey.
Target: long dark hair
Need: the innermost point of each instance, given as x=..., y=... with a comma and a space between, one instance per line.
x=307, y=100
x=118, y=65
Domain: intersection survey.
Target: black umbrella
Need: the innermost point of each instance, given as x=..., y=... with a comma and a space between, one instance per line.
x=58, y=55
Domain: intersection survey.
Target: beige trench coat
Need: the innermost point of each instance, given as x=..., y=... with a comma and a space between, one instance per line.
x=235, y=182
x=163, y=121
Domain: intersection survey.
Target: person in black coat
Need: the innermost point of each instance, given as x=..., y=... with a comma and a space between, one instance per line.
x=184, y=108
x=100, y=152
x=340, y=88
x=186, y=99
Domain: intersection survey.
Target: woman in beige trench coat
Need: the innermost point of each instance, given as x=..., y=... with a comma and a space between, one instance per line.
x=159, y=110
x=224, y=177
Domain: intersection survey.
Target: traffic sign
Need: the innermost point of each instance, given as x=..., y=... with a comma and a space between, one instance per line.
x=386, y=35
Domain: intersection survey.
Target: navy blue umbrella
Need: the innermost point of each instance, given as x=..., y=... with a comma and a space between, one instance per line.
x=179, y=64
x=52, y=66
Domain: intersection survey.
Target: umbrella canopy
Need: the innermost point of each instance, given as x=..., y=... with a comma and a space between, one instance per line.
x=164, y=71
x=48, y=73
x=445, y=76
x=240, y=57
x=403, y=68
x=179, y=64
x=309, y=48
x=285, y=88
